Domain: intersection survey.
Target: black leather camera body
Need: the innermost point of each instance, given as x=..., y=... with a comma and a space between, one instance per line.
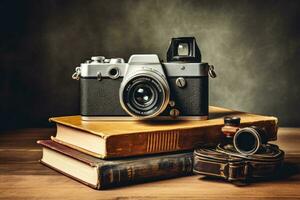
x=145, y=87
x=101, y=99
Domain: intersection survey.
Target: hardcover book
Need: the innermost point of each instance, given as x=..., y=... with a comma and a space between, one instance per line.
x=107, y=139
x=100, y=174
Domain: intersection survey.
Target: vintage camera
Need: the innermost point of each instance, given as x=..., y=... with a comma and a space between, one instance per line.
x=246, y=141
x=146, y=88
x=244, y=154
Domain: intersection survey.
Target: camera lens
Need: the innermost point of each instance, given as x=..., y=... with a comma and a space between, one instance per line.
x=144, y=96
x=248, y=140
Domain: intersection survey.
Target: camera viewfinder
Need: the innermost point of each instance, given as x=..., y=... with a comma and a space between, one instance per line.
x=184, y=49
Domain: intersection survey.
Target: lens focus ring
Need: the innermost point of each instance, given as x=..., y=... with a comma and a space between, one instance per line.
x=144, y=95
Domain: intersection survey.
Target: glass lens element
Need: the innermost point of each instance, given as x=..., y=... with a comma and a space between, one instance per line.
x=246, y=141
x=183, y=49
x=143, y=95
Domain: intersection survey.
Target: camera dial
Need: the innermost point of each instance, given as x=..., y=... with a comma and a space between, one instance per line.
x=97, y=59
x=116, y=60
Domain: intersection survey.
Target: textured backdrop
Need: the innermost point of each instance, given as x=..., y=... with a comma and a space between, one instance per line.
x=254, y=45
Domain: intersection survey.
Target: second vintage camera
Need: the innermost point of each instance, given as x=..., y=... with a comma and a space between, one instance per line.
x=243, y=154
x=245, y=141
x=145, y=87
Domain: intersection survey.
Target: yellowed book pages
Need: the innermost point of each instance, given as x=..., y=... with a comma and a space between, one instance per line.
x=109, y=139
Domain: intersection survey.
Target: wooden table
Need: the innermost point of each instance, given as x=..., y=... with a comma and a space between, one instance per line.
x=22, y=177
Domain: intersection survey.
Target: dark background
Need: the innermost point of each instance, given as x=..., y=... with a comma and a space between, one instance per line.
x=254, y=46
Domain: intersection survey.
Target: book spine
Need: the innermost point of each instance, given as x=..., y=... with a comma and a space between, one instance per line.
x=145, y=170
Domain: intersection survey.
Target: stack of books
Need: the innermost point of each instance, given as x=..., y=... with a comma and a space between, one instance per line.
x=104, y=154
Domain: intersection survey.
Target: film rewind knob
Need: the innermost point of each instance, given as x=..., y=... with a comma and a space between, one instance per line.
x=98, y=59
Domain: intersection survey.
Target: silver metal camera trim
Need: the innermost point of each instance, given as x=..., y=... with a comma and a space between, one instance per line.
x=161, y=80
x=91, y=70
x=186, y=69
x=129, y=118
x=257, y=136
x=170, y=69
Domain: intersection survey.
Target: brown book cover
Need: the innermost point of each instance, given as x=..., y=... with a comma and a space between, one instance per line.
x=110, y=139
x=101, y=174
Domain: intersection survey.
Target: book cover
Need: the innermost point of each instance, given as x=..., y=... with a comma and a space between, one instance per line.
x=101, y=174
x=114, y=139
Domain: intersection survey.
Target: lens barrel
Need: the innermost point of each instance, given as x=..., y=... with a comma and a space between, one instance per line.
x=249, y=140
x=144, y=95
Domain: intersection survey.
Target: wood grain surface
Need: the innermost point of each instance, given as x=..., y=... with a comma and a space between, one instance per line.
x=22, y=177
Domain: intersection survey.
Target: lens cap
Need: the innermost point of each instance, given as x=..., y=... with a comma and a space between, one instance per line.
x=232, y=121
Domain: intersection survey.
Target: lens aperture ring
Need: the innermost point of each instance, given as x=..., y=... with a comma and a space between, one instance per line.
x=144, y=95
